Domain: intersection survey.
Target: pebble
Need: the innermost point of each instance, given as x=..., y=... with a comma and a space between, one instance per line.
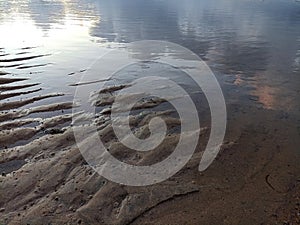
x=2, y=209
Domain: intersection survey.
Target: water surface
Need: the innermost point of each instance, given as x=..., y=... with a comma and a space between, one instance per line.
x=252, y=46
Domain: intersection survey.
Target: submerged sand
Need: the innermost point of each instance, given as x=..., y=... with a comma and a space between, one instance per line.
x=45, y=180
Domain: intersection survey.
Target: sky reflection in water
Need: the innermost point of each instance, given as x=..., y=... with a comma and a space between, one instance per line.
x=251, y=43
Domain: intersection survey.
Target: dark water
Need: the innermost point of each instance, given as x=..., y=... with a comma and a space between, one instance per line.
x=253, y=46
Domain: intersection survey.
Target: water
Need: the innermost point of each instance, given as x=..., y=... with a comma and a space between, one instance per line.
x=252, y=46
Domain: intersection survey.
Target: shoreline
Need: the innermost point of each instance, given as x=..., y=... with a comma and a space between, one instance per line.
x=253, y=180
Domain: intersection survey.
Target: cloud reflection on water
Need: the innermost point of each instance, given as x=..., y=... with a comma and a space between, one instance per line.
x=247, y=39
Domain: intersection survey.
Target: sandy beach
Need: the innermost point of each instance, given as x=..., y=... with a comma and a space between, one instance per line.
x=254, y=179
x=46, y=49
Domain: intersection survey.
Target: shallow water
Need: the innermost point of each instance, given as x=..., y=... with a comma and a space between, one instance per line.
x=252, y=46
x=46, y=46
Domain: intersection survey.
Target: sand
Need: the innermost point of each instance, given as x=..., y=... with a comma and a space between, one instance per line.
x=45, y=180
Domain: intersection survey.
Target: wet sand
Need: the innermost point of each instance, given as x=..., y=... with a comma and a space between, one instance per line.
x=44, y=179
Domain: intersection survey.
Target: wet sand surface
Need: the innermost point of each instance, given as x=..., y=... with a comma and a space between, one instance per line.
x=255, y=178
